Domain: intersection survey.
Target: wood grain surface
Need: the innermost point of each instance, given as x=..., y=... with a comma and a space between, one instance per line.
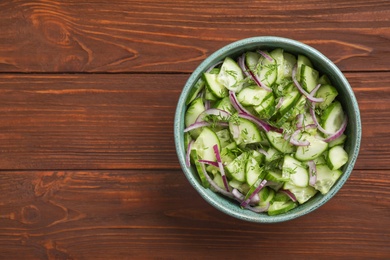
x=88, y=92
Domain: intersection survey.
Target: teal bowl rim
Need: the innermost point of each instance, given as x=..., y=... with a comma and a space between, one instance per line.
x=225, y=205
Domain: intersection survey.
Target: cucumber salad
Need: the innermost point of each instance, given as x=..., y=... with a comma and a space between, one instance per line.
x=265, y=130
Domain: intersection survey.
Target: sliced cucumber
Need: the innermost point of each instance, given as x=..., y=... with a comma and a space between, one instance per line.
x=302, y=194
x=225, y=104
x=288, y=64
x=295, y=171
x=229, y=152
x=280, y=207
x=253, y=95
x=308, y=78
x=302, y=60
x=279, y=143
x=240, y=186
x=268, y=70
x=272, y=155
x=200, y=170
x=266, y=195
x=277, y=55
x=253, y=171
x=337, y=157
x=199, y=86
x=326, y=178
x=328, y=93
x=214, y=86
x=267, y=108
x=204, y=144
x=248, y=131
x=224, y=137
x=231, y=75
x=312, y=151
x=236, y=169
x=338, y=141
x=252, y=60
x=333, y=117
x=194, y=110
x=276, y=177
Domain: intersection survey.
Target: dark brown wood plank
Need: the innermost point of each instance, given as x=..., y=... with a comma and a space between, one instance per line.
x=157, y=214
x=126, y=121
x=175, y=36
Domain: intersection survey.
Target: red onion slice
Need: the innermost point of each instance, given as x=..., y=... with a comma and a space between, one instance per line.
x=247, y=201
x=296, y=142
x=313, y=115
x=202, y=124
x=257, y=80
x=221, y=168
x=339, y=132
x=241, y=63
x=259, y=209
x=215, y=112
x=289, y=194
x=215, y=186
x=265, y=55
x=280, y=102
x=300, y=118
x=236, y=104
x=299, y=87
x=208, y=162
x=266, y=127
x=189, y=148
x=312, y=173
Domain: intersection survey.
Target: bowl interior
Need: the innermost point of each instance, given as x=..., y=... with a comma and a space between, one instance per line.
x=321, y=63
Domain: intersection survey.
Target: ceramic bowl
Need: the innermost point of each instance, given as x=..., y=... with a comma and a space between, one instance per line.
x=322, y=64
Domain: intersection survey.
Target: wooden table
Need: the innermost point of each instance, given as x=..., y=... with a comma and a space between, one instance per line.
x=87, y=99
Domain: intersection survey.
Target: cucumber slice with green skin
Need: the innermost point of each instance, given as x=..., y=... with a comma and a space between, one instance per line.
x=268, y=70
x=279, y=143
x=248, y=131
x=308, y=78
x=302, y=60
x=204, y=144
x=276, y=177
x=266, y=195
x=277, y=55
x=337, y=157
x=338, y=141
x=229, y=152
x=224, y=137
x=240, y=186
x=288, y=64
x=324, y=80
x=295, y=172
x=194, y=110
x=326, y=178
x=214, y=86
x=252, y=60
x=236, y=169
x=253, y=171
x=226, y=105
x=199, y=170
x=333, y=117
x=302, y=194
x=289, y=101
x=267, y=108
x=199, y=86
x=208, y=95
x=231, y=75
x=328, y=93
x=312, y=151
x=280, y=207
x=253, y=95
x=273, y=155
x=219, y=181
